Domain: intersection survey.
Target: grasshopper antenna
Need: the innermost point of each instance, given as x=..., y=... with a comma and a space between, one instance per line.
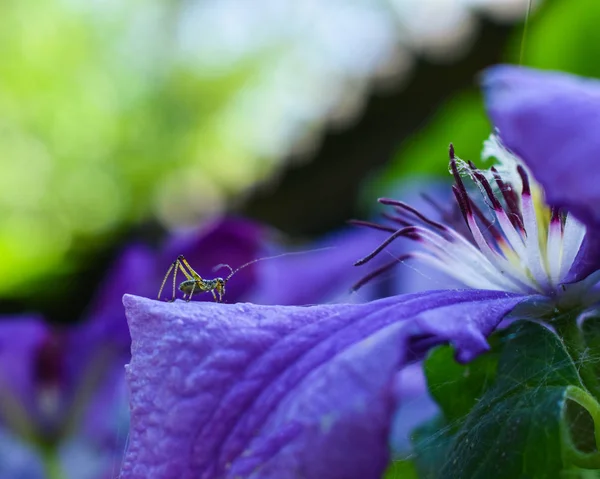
x=223, y=265
x=267, y=257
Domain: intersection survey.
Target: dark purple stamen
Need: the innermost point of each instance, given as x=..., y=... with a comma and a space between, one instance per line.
x=382, y=269
x=463, y=202
x=524, y=179
x=468, y=206
x=512, y=203
x=375, y=226
x=488, y=225
x=482, y=180
x=403, y=206
x=556, y=218
x=457, y=178
x=409, y=232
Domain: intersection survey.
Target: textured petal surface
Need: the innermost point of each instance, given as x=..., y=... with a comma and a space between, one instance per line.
x=551, y=120
x=280, y=392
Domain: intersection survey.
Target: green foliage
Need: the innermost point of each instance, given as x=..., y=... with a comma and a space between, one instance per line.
x=401, y=470
x=431, y=443
x=475, y=378
x=563, y=36
x=102, y=124
x=590, y=326
x=531, y=418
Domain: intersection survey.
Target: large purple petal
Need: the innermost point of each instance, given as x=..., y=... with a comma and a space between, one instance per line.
x=233, y=241
x=252, y=391
x=551, y=120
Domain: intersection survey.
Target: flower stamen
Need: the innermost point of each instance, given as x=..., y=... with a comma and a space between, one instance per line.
x=521, y=246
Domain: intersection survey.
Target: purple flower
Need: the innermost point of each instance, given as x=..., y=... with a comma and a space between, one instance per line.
x=246, y=391
x=549, y=119
x=58, y=407
x=63, y=398
x=274, y=392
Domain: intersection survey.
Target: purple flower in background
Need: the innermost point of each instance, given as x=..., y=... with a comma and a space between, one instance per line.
x=63, y=398
x=63, y=401
x=246, y=391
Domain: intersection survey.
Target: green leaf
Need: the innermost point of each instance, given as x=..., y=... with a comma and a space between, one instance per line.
x=534, y=420
x=457, y=388
x=431, y=443
x=562, y=38
x=591, y=334
x=401, y=469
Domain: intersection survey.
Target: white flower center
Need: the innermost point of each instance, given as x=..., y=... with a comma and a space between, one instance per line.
x=518, y=245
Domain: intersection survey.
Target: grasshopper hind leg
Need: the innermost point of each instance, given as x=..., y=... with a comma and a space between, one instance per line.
x=164, y=281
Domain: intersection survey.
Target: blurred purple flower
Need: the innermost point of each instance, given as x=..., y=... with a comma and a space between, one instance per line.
x=63, y=400
x=58, y=405
x=245, y=391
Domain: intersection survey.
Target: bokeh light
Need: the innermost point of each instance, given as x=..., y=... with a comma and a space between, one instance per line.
x=112, y=113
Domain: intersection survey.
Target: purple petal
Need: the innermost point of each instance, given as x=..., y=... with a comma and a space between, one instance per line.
x=232, y=241
x=252, y=391
x=587, y=260
x=551, y=120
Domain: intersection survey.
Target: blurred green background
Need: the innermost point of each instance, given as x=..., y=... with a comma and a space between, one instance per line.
x=126, y=120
